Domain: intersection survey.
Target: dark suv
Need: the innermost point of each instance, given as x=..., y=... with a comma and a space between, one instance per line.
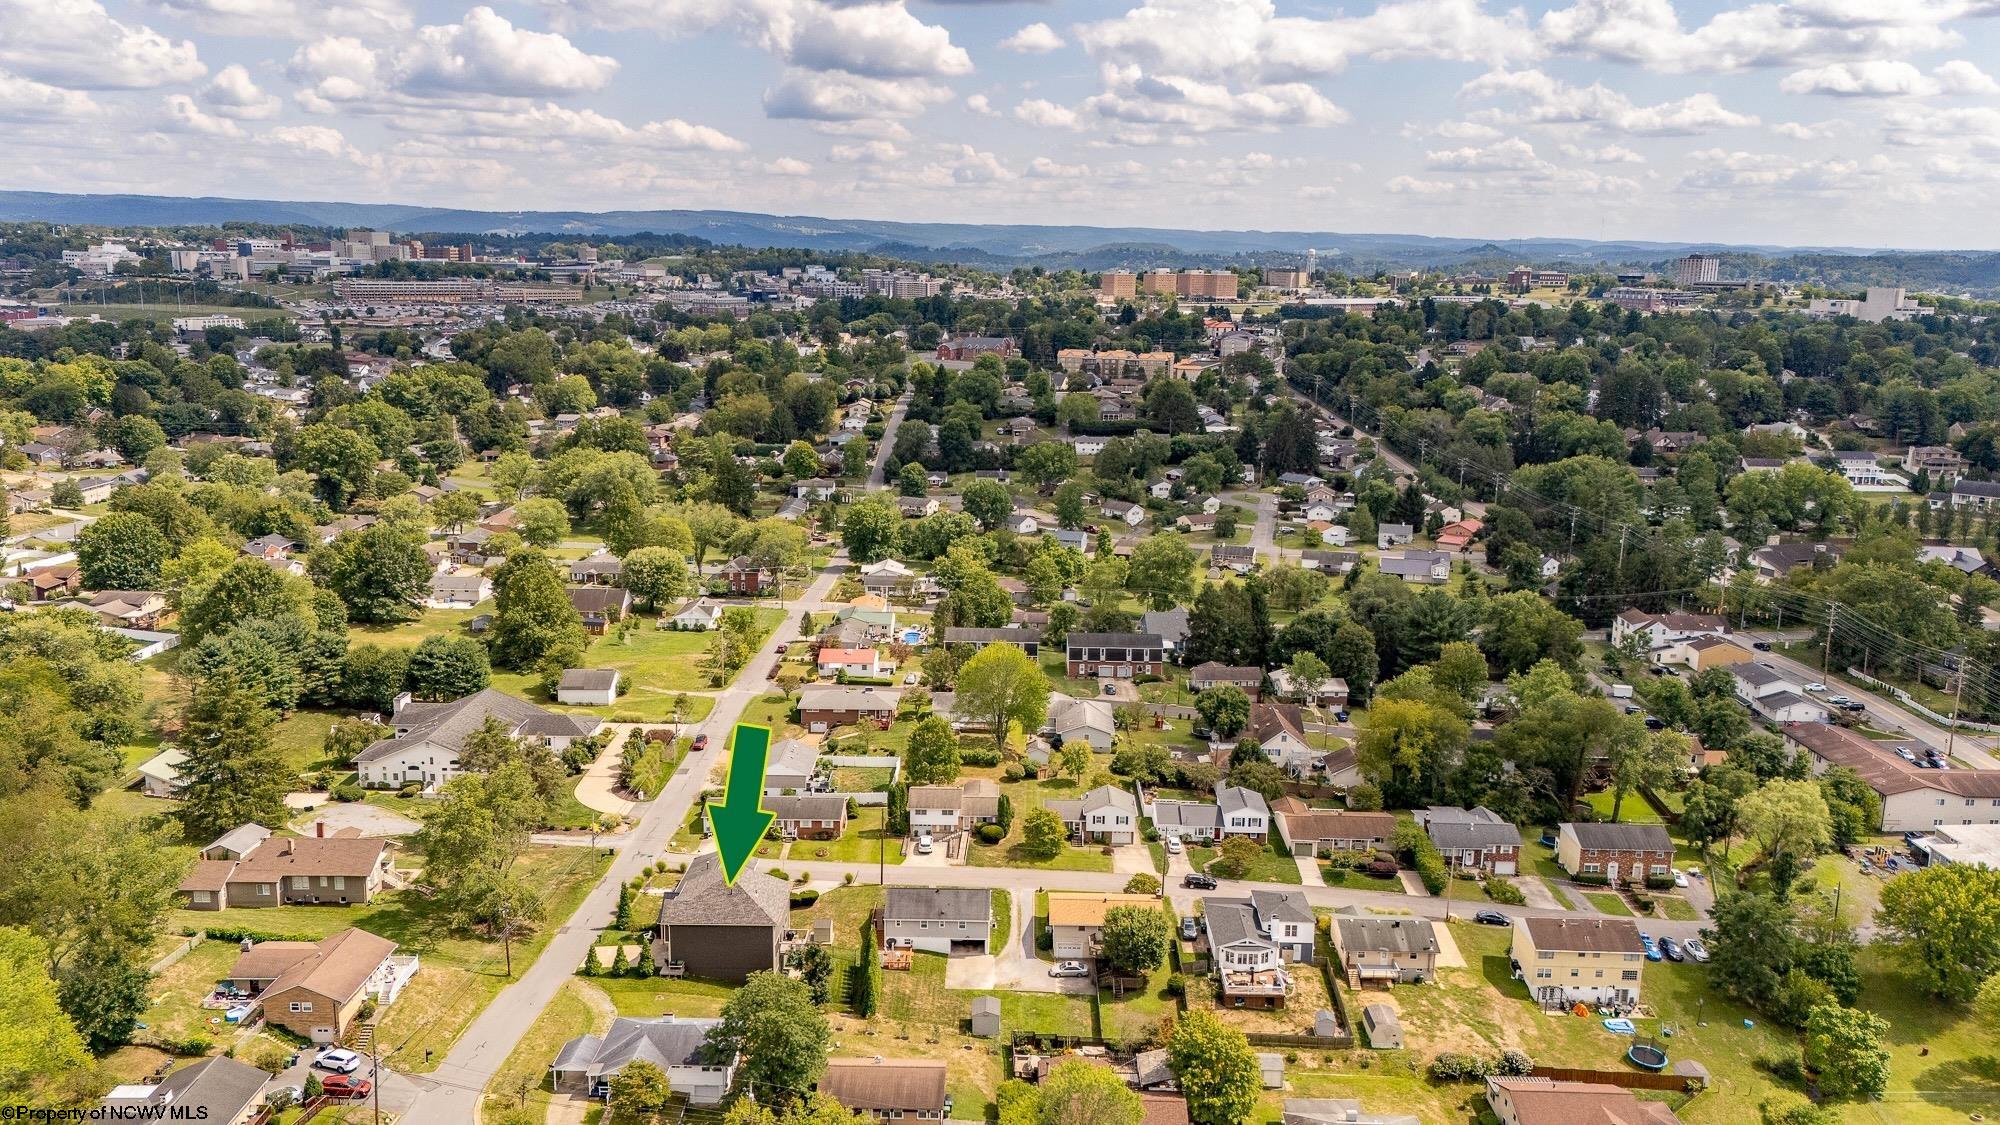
x=1195, y=880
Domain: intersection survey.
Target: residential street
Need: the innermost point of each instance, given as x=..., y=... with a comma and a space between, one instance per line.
x=1975, y=751
x=877, y=476
x=457, y=1084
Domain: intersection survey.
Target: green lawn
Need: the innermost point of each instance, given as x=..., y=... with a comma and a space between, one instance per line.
x=460, y=975
x=412, y=633
x=1008, y=853
x=645, y=997
x=1635, y=810
x=1608, y=903
x=519, y=1093
x=863, y=842
x=1273, y=864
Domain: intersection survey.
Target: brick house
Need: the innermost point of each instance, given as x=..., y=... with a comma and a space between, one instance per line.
x=314, y=989
x=1214, y=674
x=1474, y=839
x=809, y=816
x=823, y=707
x=745, y=577
x=1116, y=655
x=1627, y=853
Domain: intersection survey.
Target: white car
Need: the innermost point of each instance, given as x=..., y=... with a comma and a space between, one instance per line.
x=1815, y=686
x=925, y=844
x=1173, y=845
x=338, y=1060
x=1068, y=969
x=1680, y=879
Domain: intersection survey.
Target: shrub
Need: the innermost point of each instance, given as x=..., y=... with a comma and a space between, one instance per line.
x=1504, y=891
x=1659, y=882
x=1013, y=772
x=187, y=1045
x=1143, y=884
x=1334, y=875
x=409, y=791
x=1514, y=1064
x=779, y=873
x=348, y=791
x=1176, y=985
x=803, y=899
x=991, y=834
x=1591, y=879
x=978, y=756
x=1451, y=1066
x=1785, y=1068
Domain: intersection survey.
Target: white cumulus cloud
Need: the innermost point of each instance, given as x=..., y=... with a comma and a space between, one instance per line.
x=1035, y=38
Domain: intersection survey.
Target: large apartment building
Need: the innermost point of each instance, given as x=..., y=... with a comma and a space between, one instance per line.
x=1217, y=284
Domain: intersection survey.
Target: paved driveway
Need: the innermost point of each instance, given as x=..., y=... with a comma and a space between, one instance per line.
x=1133, y=859
x=1017, y=969
x=1537, y=892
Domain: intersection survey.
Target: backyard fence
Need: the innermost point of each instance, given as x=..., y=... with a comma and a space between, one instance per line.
x=1629, y=1079
x=177, y=952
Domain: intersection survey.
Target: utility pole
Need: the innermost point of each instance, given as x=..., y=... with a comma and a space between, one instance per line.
x=1951, y=728
x=1826, y=653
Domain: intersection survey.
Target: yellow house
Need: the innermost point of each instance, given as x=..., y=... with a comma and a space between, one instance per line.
x=1566, y=961
x=1076, y=919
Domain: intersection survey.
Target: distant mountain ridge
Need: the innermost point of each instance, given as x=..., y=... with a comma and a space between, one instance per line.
x=974, y=240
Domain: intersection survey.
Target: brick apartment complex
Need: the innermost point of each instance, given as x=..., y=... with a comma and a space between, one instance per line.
x=1116, y=655
x=1622, y=853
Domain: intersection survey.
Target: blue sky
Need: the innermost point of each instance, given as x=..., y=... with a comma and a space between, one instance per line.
x=1839, y=122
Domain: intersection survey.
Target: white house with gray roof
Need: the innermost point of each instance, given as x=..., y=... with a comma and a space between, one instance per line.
x=951, y=920
x=1105, y=815
x=424, y=750
x=675, y=1044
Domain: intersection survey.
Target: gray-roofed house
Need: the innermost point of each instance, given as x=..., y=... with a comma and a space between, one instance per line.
x=1426, y=568
x=1187, y=820
x=1243, y=812
x=675, y=1044
x=823, y=707
x=1340, y=1111
x=1248, y=679
x=791, y=768
x=1620, y=852
x=950, y=920
x=1389, y=535
x=1474, y=839
x=1105, y=815
x=1251, y=940
x=219, y=1090
x=715, y=931
x=601, y=569
x=424, y=750
x=809, y=816
x=600, y=607
x=1240, y=558
x=588, y=687
x=1386, y=950
x=458, y=591
x=887, y=1089
x=1170, y=625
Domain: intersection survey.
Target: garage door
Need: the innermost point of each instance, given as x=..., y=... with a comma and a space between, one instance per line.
x=1503, y=867
x=1303, y=847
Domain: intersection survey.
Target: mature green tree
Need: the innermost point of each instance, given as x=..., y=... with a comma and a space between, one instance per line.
x=641, y=1089
x=231, y=774
x=533, y=615
x=1752, y=945
x=711, y=525
x=814, y=1108
x=1046, y=462
x=445, y=667
x=1709, y=809
x=1170, y=406
x=341, y=460
x=1351, y=655
x=1042, y=834
x=1408, y=747
x=801, y=461
x=1162, y=571
x=1944, y=923
x=1523, y=628
x=1225, y=709
x=1788, y=822
x=1215, y=1068
x=658, y=576
x=1074, y=758
x=104, y=993
x=542, y=522
x=37, y=1041
x=772, y=1021
x=1136, y=939
x=1070, y=511
x=1460, y=669
x=1004, y=685
x=246, y=589
x=1078, y=1092
x=472, y=842
x=121, y=551
x=870, y=528
x=1308, y=675
x=931, y=758
x=1844, y=1046
x=988, y=502
x=379, y=572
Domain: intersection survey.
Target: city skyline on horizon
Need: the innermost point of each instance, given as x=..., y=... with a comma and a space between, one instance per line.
x=1807, y=122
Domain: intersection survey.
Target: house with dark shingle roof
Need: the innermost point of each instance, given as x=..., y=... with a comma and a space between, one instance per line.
x=715, y=931
x=948, y=920
x=218, y=1089
x=1217, y=674
x=1386, y=950
x=249, y=869
x=887, y=1088
x=1474, y=839
x=1627, y=853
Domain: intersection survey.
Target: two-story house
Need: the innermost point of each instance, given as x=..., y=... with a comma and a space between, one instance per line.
x=1386, y=950
x=1657, y=630
x=1474, y=839
x=1116, y=655
x=950, y=920
x=1076, y=920
x=1253, y=939
x=1105, y=815
x=1568, y=961
x=1621, y=853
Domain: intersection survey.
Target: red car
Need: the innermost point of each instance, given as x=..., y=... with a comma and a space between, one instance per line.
x=701, y=742
x=344, y=1086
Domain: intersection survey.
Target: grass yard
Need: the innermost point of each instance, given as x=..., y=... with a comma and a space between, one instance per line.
x=645, y=997
x=1136, y=1016
x=1273, y=863
x=300, y=738
x=1608, y=903
x=863, y=842
x=1678, y=909
x=412, y=633
x=519, y=1093
x=176, y=1013
x=1635, y=810
x=1008, y=852
x=460, y=975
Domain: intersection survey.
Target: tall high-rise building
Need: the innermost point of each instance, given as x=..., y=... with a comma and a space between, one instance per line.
x=1698, y=268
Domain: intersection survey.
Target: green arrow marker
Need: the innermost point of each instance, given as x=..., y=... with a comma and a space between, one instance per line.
x=741, y=820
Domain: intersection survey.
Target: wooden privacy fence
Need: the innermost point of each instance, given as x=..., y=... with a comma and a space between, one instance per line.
x=1629, y=1079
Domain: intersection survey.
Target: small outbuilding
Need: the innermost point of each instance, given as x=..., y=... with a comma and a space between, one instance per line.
x=1385, y=1031
x=588, y=687
x=1271, y=1069
x=986, y=1016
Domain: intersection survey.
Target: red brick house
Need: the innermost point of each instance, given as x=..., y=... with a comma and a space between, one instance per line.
x=745, y=577
x=1116, y=655
x=1621, y=853
x=823, y=707
x=809, y=816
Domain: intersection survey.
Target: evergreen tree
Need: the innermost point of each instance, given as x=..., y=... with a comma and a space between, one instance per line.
x=231, y=774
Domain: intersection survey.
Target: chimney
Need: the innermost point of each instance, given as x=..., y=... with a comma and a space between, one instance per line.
x=287, y=850
x=245, y=945
x=319, y=828
x=401, y=701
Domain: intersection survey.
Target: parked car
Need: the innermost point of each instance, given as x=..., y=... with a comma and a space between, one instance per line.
x=1654, y=724
x=1491, y=918
x=1853, y=706
x=1815, y=686
x=288, y=1095
x=1340, y=715
x=925, y=844
x=1068, y=969
x=1173, y=845
x=1695, y=950
x=1110, y=688
x=1195, y=880
x=1680, y=879
x=341, y=1086
x=701, y=742
x=1671, y=948
x=1652, y=946
x=1903, y=752
x=1761, y=646
x=1190, y=928
x=338, y=1059
x=783, y=648
x=1838, y=700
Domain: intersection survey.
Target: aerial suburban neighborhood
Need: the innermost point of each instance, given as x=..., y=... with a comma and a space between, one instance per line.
x=620, y=666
